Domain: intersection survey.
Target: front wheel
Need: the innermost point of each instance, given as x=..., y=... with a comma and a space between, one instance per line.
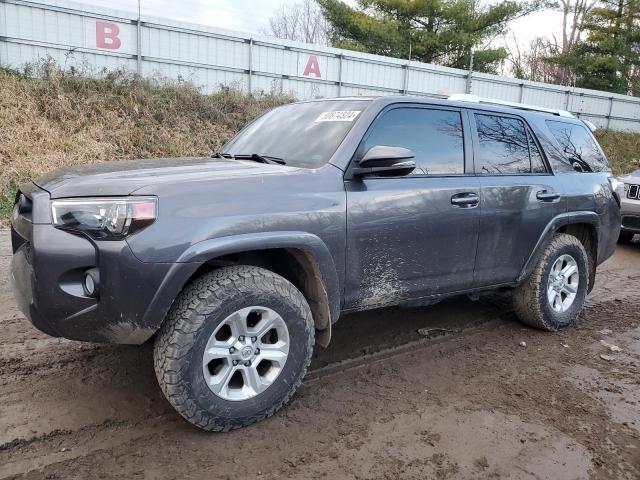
x=234, y=347
x=554, y=294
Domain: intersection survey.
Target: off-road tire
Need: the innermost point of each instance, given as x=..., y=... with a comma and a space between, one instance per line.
x=625, y=237
x=530, y=298
x=201, y=306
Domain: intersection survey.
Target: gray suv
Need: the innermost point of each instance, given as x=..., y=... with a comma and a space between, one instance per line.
x=238, y=265
x=629, y=193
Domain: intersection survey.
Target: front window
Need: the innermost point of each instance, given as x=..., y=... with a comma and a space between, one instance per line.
x=433, y=135
x=301, y=134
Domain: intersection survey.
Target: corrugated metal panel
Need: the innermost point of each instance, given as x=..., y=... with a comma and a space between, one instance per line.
x=626, y=109
x=74, y=34
x=545, y=98
x=435, y=83
x=372, y=75
x=503, y=90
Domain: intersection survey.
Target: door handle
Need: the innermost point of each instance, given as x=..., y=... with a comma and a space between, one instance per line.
x=465, y=200
x=547, y=195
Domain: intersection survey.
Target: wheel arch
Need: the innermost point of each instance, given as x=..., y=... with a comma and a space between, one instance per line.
x=587, y=233
x=300, y=257
x=582, y=225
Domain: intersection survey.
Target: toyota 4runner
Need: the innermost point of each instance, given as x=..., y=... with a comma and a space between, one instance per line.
x=238, y=265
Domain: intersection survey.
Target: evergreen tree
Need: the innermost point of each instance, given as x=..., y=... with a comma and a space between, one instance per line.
x=609, y=58
x=432, y=31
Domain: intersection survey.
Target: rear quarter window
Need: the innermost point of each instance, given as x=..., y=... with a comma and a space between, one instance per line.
x=578, y=146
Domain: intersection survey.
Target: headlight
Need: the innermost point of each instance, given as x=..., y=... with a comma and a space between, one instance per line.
x=105, y=218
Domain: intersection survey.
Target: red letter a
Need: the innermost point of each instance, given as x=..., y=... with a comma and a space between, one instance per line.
x=312, y=67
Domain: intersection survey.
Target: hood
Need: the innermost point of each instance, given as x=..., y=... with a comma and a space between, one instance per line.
x=633, y=177
x=126, y=176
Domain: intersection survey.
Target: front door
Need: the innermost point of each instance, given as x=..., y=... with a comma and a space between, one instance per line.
x=413, y=236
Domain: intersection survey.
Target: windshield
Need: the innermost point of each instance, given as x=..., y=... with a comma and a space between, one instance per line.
x=301, y=134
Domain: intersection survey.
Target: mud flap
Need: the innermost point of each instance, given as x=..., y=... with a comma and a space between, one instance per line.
x=323, y=337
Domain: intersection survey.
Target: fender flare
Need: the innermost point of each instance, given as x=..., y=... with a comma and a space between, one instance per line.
x=556, y=223
x=198, y=254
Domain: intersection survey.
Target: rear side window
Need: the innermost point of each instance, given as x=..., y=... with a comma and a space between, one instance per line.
x=578, y=146
x=434, y=136
x=505, y=147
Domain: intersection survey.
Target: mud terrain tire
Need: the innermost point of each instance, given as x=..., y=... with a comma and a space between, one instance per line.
x=530, y=299
x=201, y=307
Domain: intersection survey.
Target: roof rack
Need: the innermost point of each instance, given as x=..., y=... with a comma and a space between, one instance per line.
x=464, y=97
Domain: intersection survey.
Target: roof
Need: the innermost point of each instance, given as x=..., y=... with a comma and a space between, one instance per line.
x=469, y=102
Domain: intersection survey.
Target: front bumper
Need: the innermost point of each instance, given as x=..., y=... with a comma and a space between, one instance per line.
x=630, y=223
x=47, y=271
x=630, y=212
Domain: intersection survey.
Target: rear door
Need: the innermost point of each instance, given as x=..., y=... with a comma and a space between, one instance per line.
x=520, y=195
x=414, y=235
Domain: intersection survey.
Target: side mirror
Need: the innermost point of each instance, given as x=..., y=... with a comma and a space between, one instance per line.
x=386, y=161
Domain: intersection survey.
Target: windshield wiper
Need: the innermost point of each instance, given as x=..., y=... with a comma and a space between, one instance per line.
x=260, y=158
x=221, y=155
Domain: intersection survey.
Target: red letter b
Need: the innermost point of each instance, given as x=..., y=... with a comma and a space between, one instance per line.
x=107, y=35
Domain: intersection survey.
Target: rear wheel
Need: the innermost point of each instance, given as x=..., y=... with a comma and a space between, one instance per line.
x=234, y=347
x=554, y=294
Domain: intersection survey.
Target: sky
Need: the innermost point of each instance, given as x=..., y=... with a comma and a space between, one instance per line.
x=253, y=15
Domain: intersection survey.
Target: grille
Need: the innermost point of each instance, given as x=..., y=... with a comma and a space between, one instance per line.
x=633, y=192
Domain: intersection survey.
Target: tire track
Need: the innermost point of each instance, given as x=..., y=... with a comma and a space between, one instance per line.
x=382, y=354
x=21, y=456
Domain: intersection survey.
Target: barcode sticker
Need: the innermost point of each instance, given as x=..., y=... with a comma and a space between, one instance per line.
x=338, y=116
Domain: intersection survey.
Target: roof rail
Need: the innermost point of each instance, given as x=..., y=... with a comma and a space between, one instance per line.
x=464, y=97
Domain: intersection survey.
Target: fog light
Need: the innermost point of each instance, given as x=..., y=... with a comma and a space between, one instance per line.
x=91, y=282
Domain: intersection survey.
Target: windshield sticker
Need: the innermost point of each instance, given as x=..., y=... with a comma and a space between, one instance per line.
x=338, y=116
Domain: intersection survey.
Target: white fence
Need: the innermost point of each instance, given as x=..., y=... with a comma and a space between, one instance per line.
x=73, y=33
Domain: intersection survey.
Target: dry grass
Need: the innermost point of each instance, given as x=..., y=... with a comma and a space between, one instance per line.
x=622, y=149
x=51, y=119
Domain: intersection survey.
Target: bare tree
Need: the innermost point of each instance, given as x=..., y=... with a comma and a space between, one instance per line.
x=537, y=63
x=573, y=15
x=302, y=22
x=534, y=63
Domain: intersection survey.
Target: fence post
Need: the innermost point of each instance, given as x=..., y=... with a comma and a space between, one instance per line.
x=139, y=42
x=405, y=84
x=249, y=86
x=610, y=112
x=566, y=100
x=340, y=56
x=467, y=88
x=521, y=92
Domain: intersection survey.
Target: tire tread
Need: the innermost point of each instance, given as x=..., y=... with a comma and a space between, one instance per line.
x=527, y=297
x=178, y=333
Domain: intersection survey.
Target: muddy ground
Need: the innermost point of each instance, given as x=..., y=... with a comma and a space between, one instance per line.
x=471, y=404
